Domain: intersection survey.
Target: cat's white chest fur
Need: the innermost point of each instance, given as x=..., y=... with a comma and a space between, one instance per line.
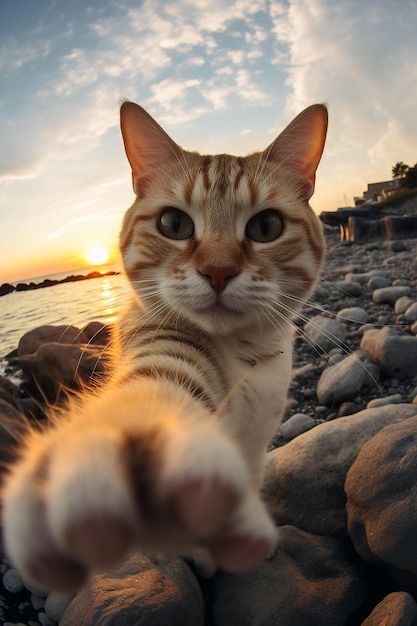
x=259, y=369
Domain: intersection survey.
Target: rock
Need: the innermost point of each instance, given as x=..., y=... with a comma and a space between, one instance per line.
x=8, y=391
x=290, y=588
x=382, y=512
x=388, y=295
x=57, y=368
x=303, y=483
x=348, y=288
x=395, y=354
x=97, y=333
x=377, y=282
x=6, y=288
x=142, y=591
x=297, y=424
x=364, y=277
x=12, y=581
x=402, y=304
x=325, y=333
x=56, y=604
x=353, y=314
x=31, y=341
x=13, y=425
x=396, y=609
x=394, y=399
x=343, y=381
x=411, y=313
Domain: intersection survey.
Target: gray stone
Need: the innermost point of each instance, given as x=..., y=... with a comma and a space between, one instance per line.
x=325, y=333
x=31, y=340
x=348, y=288
x=343, y=381
x=395, y=354
x=310, y=580
x=396, y=609
x=382, y=512
x=353, y=314
x=303, y=483
x=394, y=399
x=388, y=295
x=56, y=604
x=377, y=282
x=364, y=277
x=142, y=591
x=297, y=424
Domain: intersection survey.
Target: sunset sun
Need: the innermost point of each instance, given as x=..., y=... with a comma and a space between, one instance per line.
x=97, y=255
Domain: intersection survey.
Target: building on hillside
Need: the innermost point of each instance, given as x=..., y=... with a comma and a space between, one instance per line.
x=377, y=192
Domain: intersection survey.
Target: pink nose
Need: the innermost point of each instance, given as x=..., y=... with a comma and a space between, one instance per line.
x=218, y=275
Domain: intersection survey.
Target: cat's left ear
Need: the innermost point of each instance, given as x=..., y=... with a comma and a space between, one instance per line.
x=147, y=145
x=300, y=145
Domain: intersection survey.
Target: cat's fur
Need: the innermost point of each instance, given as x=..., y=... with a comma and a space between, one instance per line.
x=169, y=455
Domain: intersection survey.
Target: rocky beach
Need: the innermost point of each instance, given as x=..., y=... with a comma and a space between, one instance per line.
x=340, y=474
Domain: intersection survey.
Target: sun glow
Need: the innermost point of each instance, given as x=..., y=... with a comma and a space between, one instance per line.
x=97, y=255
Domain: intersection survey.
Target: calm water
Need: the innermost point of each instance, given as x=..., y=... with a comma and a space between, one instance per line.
x=78, y=303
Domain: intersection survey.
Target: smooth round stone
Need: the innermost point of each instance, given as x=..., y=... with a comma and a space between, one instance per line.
x=377, y=282
x=388, y=295
x=402, y=304
x=12, y=581
x=411, y=313
x=353, y=314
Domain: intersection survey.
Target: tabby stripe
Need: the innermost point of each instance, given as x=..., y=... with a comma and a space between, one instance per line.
x=186, y=381
x=205, y=171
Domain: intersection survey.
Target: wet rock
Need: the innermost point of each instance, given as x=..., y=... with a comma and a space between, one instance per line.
x=382, y=512
x=325, y=333
x=141, y=591
x=388, y=295
x=396, y=609
x=291, y=588
x=57, y=367
x=304, y=480
x=31, y=341
x=395, y=354
x=343, y=380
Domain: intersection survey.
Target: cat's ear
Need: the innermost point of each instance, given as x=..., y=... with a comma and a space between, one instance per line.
x=147, y=145
x=300, y=145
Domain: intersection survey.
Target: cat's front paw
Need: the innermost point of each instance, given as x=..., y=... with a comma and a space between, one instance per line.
x=87, y=492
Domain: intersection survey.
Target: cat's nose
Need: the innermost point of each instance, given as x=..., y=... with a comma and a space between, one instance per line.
x=218, y=275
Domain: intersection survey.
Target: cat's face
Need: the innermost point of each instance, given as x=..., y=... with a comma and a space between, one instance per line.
x=226, y=242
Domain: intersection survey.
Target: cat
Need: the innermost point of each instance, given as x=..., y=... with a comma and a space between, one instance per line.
x=220, y=252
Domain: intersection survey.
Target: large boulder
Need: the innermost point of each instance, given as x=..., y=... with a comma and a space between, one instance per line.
x=304, y=480
x=382, y=510
x=309, y=580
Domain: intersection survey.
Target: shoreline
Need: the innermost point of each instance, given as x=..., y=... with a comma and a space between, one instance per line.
x=7, y=288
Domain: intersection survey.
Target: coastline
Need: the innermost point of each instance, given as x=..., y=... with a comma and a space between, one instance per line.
x=7, y=288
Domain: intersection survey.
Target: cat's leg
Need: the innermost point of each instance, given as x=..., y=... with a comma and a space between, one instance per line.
x=140, y=465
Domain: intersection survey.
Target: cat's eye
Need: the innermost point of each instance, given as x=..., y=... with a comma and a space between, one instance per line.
x=175, y=224
x=265, y=226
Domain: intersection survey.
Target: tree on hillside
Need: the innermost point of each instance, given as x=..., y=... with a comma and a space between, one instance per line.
x=399, y=171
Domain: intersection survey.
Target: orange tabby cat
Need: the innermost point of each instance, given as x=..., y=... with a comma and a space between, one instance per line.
x=220, y=252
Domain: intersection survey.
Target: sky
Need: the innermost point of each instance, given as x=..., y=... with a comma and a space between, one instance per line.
x=218, y=75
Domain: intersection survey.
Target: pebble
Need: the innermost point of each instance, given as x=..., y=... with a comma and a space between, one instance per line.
x=388, y=295
x=56, y=603
x=343, y=381
x=377, y=282
x=411, y=313
x=353, y=314
x=325, y=333
x=376, y=402
x=297, y=424
x=402, y=304
x=12, y=581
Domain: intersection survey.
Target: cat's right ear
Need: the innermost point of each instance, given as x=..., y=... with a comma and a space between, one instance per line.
x=147, y=145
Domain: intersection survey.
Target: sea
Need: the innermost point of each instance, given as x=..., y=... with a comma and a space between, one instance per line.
x=76, y=303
